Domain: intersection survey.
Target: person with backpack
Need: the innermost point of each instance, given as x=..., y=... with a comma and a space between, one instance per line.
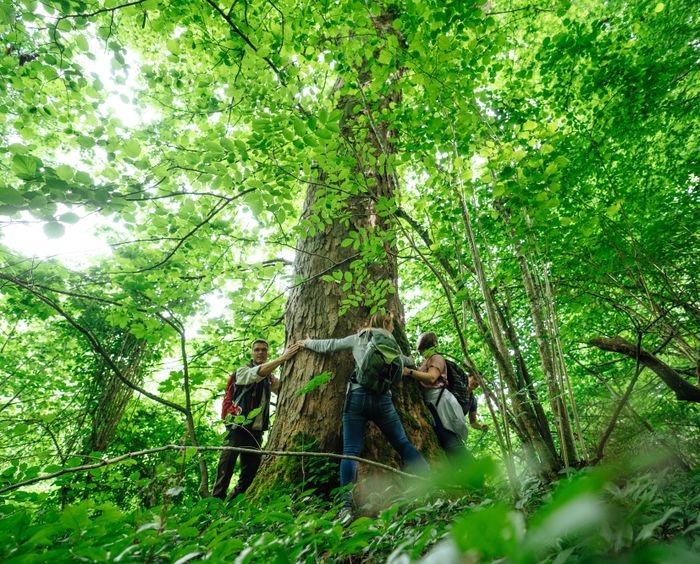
x=248, y=389
x=378, y=364
x=448, y=414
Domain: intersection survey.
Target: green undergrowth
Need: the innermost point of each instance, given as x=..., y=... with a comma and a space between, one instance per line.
x=649, y=516
x=319, y=474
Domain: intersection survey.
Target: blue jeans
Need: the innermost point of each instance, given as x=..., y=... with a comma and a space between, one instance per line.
x=362, y=405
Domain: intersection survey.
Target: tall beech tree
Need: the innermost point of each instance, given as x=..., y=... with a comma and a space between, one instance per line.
x=519, y=178
x=347, y=267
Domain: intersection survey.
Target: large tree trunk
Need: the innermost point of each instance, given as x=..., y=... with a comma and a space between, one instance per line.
x=314, y=420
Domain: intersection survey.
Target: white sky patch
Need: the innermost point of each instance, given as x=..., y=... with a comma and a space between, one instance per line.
x=119, y=92
x=413, y=300
x=82, y=244
x=217, y=304
x=477, y=161
x=77, y=248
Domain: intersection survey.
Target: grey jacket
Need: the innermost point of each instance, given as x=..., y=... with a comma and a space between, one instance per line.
x=357, y=343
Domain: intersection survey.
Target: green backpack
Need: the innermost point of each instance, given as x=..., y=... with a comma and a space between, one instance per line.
x=382, y=364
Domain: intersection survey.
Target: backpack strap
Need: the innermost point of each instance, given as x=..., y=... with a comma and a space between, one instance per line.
x=442, y=391
x=364, y=333
x=240, y=391
x=367, y=335
x=228, y=402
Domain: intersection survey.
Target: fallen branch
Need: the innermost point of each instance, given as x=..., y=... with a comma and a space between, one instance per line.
x=136, y=454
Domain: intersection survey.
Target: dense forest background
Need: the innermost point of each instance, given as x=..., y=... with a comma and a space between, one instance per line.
x=519, y=176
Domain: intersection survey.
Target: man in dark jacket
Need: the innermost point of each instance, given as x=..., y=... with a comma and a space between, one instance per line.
x=248, y=389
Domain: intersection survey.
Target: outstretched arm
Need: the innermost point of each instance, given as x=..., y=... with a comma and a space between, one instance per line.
x=429, y=377
x=323, y=346
x=267, y=368
x=436, y=367
x=246, y=375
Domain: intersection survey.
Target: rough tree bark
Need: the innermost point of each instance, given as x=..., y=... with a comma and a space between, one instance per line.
x=313, y=420
x=112, y=395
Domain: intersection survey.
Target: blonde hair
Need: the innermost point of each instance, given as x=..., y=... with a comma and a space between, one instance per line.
x=381, y=320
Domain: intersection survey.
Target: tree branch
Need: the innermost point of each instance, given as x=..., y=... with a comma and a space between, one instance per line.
x=130, y=455
x=625, y=398
x=102, y=11
x=684, y=390
x=213, y=212
x=245, y=38
x=94, y=343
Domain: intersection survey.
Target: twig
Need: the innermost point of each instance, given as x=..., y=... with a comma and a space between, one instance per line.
x=248, y=42
x=213, y=212
x=102, y=11
x=131, y=455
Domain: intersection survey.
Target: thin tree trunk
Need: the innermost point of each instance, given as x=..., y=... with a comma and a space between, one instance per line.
x=503, y=437
x=559, y=354
x=524, y=413
x=672, y=450
x=620, y=405
x=561, y=414
x=524, y=373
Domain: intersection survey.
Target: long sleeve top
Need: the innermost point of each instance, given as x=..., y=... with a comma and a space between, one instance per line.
x=357, y=343
x=256, y=396
x=246, y=375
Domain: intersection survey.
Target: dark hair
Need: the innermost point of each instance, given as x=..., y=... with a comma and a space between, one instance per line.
x=259, y=341
x=426, y=341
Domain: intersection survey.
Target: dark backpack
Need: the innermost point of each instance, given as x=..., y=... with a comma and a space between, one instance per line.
x=240, y=400
x=382, y=364
x=458, y=384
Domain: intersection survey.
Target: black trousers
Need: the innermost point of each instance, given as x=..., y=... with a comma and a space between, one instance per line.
x=449, y=441
x=238, y=437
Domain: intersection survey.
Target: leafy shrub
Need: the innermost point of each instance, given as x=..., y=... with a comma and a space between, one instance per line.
x=594, y=514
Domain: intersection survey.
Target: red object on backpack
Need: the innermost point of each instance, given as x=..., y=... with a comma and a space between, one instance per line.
x=228, y=407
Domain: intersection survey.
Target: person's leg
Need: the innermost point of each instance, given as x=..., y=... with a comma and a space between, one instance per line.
x=354, y=425
x=449, y=441
x=389, y=423
x=227, y=462
x=249, y=462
